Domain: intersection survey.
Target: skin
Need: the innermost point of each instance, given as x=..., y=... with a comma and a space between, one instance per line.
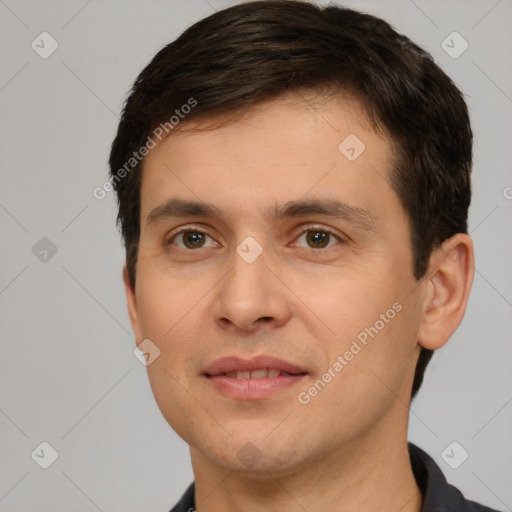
x=347, y=448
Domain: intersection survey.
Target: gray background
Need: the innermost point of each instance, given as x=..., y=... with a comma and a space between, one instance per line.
x=68, y=374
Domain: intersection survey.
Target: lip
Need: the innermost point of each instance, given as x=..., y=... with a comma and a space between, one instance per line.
x=238, y=364
x=251, y=389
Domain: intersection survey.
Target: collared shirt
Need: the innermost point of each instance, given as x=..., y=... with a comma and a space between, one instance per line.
x=438, y=494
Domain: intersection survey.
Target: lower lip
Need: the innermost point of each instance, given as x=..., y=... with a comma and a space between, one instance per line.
x=253, y=389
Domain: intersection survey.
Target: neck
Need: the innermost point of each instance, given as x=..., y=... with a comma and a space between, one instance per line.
x=371, y=473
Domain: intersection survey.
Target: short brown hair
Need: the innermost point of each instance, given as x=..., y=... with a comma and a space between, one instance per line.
x=256, y=51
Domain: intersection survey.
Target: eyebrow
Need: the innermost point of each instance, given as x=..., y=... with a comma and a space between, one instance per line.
x=328, y=207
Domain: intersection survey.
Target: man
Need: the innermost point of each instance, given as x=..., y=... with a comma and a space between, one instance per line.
x=293, y=185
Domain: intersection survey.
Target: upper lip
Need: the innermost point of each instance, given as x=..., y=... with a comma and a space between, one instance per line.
x=238, y=364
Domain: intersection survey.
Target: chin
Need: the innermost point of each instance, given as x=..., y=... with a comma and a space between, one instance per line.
x=267, y=466
x=257, y=456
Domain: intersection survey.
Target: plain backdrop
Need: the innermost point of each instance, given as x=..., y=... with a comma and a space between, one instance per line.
x=68, y=374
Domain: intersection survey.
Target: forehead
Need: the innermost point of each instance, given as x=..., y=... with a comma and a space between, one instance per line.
x=278, y=151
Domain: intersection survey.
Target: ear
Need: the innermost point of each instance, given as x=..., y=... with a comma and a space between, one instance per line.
x=448, y=283
x=131, y=302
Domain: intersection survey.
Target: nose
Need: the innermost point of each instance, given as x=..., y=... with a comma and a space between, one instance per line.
x=251, y=296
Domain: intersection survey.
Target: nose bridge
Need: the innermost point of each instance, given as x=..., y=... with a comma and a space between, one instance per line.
x=250, y=292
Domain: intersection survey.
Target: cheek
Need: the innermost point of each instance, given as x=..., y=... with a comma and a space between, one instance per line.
x=372, y=327
x=372, y=366
x=170, y=317
x=165, y=302
x=176, y=314
x=347, y=302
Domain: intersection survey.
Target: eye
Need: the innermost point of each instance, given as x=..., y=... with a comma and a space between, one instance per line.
x=191, y=239
x=319, y=238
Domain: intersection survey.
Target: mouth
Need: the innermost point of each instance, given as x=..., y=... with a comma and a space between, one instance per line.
x=252, y=379
x=262, y=373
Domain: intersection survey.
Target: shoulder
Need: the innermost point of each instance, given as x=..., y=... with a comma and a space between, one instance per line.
x=438, y=494
x=187, y=501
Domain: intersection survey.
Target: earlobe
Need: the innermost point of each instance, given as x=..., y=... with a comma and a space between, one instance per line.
x=131, y=302
x=449, y=281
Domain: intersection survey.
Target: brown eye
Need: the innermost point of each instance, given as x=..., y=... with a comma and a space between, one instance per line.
x=319, y=238
x=193, y=239
x=190, y=239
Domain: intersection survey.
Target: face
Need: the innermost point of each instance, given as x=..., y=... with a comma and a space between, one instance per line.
x=284, y=308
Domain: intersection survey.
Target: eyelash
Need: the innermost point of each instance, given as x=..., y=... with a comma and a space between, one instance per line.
x=321, y=229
